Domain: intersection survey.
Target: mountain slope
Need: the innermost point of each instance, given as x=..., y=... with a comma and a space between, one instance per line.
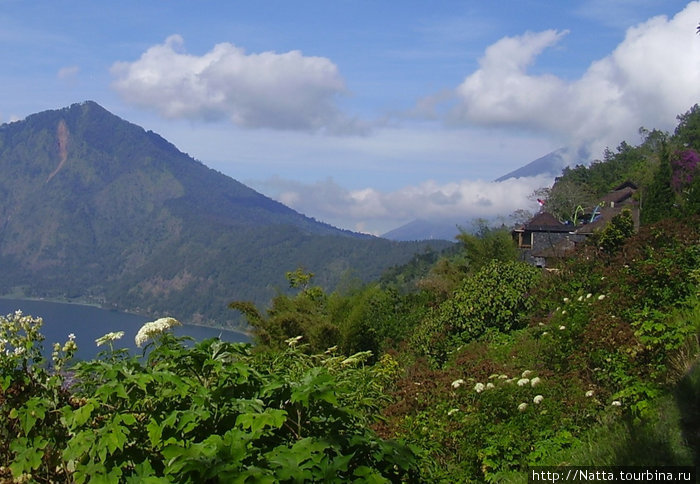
x=93, y=206
x=421, y=229
x=550, y=164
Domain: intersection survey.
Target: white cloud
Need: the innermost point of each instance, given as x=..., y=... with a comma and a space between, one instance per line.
x=652, y=76
x=377, y=212
x=68, y=72
x=267, y=90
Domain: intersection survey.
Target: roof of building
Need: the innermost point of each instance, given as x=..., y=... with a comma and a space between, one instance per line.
x=545, y=222
x=618, y=195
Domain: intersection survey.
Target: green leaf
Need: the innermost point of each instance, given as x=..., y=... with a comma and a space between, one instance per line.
x=28, y=454
x=257, y=421
x=5, y=382
x=370, y=476
x=76, y=418
x=155, y=432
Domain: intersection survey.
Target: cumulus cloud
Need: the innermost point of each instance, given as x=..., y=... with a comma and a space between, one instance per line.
x=652, y=76
x=377, y=212
x=287, y=91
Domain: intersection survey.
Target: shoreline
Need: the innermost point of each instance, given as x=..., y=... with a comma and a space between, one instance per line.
x=80, y=302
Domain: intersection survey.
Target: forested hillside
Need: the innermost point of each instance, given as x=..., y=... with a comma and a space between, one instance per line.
x=464, y=367
x=97, y=209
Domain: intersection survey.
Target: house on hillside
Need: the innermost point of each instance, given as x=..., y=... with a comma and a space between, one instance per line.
x=613, y=203
x=544, y=239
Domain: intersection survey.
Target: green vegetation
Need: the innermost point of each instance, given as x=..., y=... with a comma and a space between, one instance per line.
x=211, y=413
x=465, y=366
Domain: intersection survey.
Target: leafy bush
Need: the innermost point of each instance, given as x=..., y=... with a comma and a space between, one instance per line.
x=495, y=298
x=211, y=413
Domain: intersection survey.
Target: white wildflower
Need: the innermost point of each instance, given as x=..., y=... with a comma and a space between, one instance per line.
x=522, y=407
x=523, y=381
x=70, y=346
x=526, y=373
x=538, y=399
x=535, y=381
x=452, y=411
x=545, y=333
x=503, y=377
x=589, y=393
x=457, y=383
x=71, y=337
x=562, y=327
x=616, y=403
x=293, y=341
x=601, y=297
x=108, y=338
x=564, y=311
x=495, y=375
x=566, y=300
x=154, y=328
x=589, y=295
x=19, y=350
x=580, y=298
x=490, y=385
x=359, y=357
x=479, y=387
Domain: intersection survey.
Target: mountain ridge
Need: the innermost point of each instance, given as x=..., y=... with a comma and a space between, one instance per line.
x=550, y=164
x=92, y=206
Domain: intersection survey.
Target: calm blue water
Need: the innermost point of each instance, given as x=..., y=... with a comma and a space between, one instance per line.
x=89, y=323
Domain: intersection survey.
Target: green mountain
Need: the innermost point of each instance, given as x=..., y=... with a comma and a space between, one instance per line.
x=95, y=208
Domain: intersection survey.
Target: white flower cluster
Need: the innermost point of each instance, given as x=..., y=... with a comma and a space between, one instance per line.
x=293, y=341
x=521, y=381
x=572, y=302
x=581, y=298
x=154, y=328
x=108, y=338
x=16, y=330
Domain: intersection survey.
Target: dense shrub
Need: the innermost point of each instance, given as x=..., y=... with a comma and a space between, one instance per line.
x=493, y=299
x=211, y=413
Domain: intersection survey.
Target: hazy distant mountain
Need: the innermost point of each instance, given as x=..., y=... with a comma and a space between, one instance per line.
x=550, y=164
x=424, y=230
x=91, y=205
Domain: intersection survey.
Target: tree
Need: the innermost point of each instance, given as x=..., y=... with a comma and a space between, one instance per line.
x=658, y=198
x=613, y=236
x=565, y=196
x=687, y=132
x=486, y=245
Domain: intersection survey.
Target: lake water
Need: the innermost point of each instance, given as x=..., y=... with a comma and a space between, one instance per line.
x=89, y=323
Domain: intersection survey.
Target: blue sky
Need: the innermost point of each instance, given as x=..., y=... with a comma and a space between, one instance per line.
x=364, y=114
